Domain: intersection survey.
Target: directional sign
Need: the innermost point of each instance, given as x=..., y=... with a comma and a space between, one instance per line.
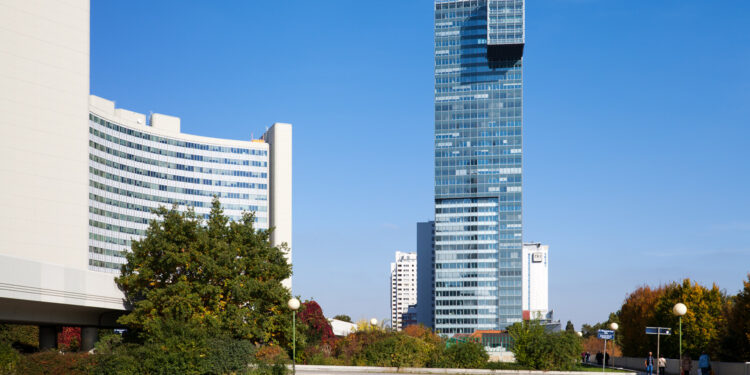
x=606, y=334
x=658, y=331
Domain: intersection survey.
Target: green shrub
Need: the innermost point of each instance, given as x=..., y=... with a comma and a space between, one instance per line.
x=397, y=350
x=465, y=355
x=118, y=363
x=9, y=359
x=537, y=349
x=229, y=356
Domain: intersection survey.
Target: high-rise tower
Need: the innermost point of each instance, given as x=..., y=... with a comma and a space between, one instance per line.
x=478, y=159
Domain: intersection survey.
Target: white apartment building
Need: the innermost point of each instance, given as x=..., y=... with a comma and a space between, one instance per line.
x=403, y=286
x=535, y=263
x=80, y=176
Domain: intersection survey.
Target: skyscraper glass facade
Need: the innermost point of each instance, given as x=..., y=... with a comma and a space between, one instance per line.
x=478, y=163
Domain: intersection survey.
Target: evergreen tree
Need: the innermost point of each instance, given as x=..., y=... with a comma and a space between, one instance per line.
x=569, y=327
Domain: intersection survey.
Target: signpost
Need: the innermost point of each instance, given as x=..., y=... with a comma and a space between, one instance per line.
x=658, y=331
x=605, y=334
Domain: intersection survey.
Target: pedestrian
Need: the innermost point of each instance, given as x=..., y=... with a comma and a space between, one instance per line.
x=687, y=364
x=650, y=363
x=606, y=359
x=662, y=365
x=588, y=357
x=704, y=362
x=599, y=358
x=583, y=357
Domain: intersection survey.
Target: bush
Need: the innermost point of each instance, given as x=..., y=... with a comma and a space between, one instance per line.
x=465, y=355
x=397, y=350
x=54, y=363
x=9, y=359
x=229, y=356
x=535, y=348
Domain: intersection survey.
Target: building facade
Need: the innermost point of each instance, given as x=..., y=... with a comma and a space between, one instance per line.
x=478, y=164
x=426, y=273
x=403, y=286
x=135, y=166
x=535, y=263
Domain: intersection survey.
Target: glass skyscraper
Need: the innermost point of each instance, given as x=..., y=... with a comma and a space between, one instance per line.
x=478, y=163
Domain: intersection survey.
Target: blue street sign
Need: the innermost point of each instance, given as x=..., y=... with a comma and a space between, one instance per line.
x=658, y=331
x=606, y=334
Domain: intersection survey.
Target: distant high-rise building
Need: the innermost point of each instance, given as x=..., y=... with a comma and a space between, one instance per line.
x=478, y=163
x=426, y=273
x=535, y=262
x=403, y=286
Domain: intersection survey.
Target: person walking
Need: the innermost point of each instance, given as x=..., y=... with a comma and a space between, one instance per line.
x=662, y=365
x=704, y=363
x=687, y=364
x=650, y=363
x=599, y=358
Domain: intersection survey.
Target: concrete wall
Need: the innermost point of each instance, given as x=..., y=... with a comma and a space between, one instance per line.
x=44, y=81
x=673, y=366
x=279, y=138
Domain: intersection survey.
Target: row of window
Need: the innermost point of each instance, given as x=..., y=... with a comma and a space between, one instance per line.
x=114, y=253
x=182, y=167
x=169, y=177
x=116, y=228
x=158, y=151
x=174, y=142
x=173, y=189
x=160, y=200
x=113, y=215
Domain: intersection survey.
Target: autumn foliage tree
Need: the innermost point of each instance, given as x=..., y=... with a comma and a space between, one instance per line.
x=735, y=343
x=217, y=276
x=636, y=313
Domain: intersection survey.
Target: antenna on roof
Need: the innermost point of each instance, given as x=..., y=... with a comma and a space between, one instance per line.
x=252, y=136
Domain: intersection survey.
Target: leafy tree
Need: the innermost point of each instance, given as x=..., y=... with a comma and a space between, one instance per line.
x=318, y=329
x=343, y=318
x=465, y=355
x=702, y=323
x=218, y=277
x=637, y=313
x=736, y=336
x=535, y=348
x=569, y=327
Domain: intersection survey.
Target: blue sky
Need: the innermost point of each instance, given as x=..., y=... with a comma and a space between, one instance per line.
x=636, y=132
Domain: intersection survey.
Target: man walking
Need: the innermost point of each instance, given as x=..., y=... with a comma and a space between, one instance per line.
x=662, y=365
x=687, y=364
x=650, y=363
x=704, y=362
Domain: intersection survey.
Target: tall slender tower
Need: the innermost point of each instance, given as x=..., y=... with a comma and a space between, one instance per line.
x=478, y=162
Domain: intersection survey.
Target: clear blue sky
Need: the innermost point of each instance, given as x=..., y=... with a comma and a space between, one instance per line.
x=637, y=130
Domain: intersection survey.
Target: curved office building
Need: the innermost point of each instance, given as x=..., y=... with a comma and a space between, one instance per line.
x=135, y=166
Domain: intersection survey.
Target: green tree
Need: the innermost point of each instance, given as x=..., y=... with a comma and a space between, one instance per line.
x=535, y=348
x=219, y=277
x=343, y=318
x=736, y=335
x=701, y=325
x=569, y=327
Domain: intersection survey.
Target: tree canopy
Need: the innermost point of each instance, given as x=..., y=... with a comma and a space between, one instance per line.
x=223, y=276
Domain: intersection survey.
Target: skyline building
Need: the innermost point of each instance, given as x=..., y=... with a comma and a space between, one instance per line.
x=535, y=285
x=425, y=273
x=478, y=164
x=137, y=165
x=403, y=286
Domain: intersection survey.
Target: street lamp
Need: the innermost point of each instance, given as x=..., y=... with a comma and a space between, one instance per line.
x=373, y=323
x=613, y=326
x=294, y=305
x=680, y=309
x=579, y=334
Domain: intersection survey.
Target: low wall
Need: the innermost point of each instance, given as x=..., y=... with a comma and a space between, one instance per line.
x=673, y=366
x=325, y=370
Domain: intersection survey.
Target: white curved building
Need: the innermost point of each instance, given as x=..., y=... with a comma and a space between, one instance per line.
x=136, y=165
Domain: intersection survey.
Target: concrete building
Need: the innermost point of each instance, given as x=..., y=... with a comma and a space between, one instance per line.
x=426, y=273
x=478, y=164
x=535, y=261
x=81, y=175
x=403, y=286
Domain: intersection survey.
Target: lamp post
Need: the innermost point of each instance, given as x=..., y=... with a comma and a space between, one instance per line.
x=373, y=323
x=613, y=326
x=680, y=309
x=294, y=305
